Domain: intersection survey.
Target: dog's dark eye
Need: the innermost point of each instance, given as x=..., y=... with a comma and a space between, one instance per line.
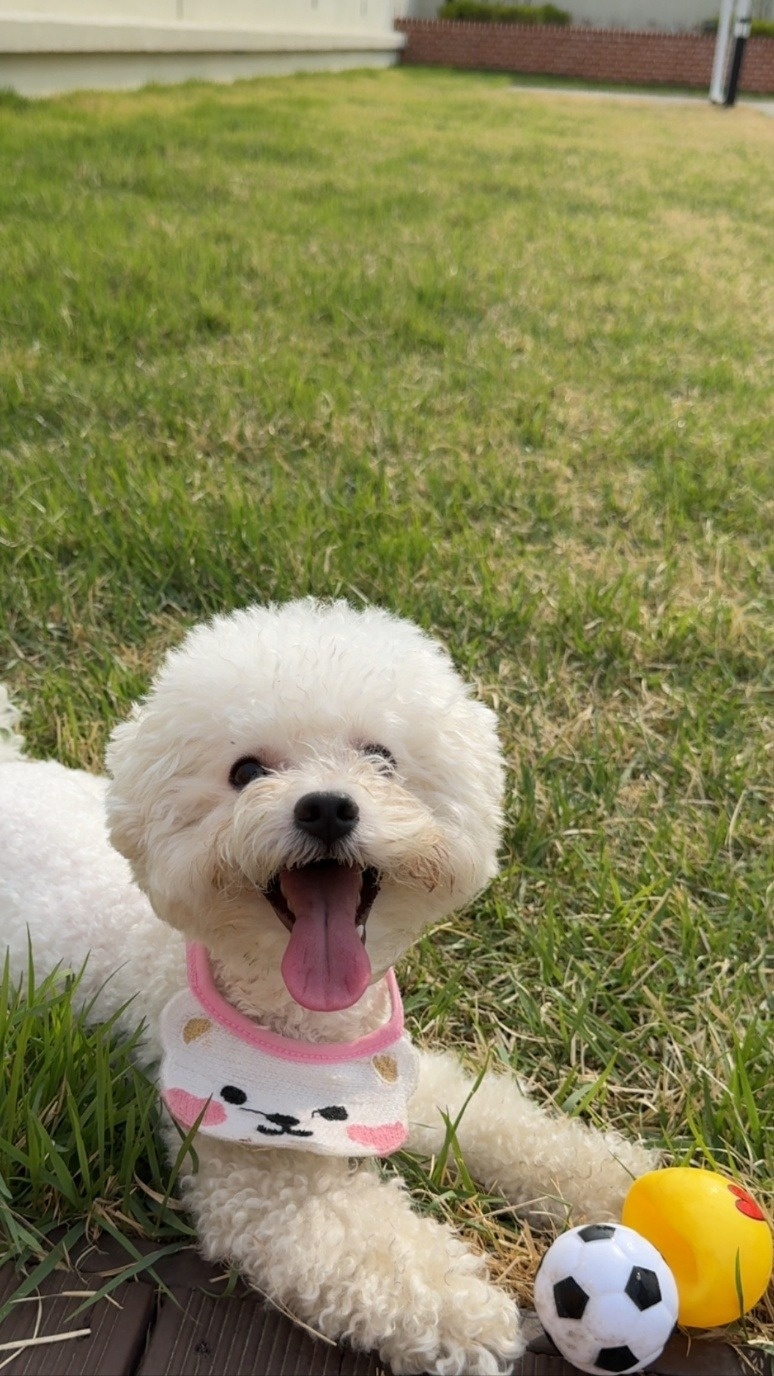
x=386, y=757
x=232, y=1095
x=334, y=1114
x=245, y=771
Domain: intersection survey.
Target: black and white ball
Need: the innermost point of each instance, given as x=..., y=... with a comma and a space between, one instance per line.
x=606, y=1298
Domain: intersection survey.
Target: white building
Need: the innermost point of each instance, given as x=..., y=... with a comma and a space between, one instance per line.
x=617, y=14
x=651, y=14
x=47, y=46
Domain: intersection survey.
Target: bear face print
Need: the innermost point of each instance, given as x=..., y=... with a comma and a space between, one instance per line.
x=243, y=1083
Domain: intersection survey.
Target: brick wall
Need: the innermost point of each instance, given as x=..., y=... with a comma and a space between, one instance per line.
x=609, y=55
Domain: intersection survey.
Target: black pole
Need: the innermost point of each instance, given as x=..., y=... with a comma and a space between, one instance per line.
x=741, y=35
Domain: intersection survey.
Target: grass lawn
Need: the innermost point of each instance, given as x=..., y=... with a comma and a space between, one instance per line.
x=502, y=363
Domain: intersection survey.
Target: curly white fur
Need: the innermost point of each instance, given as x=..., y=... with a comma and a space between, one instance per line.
x=11, y=742
x=323, y=697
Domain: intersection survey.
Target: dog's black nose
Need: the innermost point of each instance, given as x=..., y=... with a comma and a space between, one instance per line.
x=327, y=816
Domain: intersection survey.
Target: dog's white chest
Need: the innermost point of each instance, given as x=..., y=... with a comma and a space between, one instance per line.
x=253, y=1086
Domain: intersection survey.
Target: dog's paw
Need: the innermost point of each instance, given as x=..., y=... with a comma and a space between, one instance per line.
x=592, y=1183
x=466, y=1327
x=602, y=1190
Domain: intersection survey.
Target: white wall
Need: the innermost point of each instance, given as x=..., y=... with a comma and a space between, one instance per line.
x=416, y=9
x=48, y=46
x=646, y=14
x=627, y=14
x=361, y=16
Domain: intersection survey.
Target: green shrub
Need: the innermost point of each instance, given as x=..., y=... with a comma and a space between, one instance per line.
x=477, y=11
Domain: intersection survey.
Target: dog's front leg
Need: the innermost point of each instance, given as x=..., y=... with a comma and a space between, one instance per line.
x=547, y=1165
x=339, y=1246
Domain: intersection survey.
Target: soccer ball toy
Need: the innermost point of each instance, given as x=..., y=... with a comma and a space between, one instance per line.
x=606, y=1298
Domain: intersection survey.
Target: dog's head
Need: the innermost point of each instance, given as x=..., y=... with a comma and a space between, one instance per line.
x=305, y=788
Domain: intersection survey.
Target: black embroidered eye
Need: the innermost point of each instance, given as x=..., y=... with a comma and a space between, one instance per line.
x=386, y=757
x=232, y=1095
x=334, y=1114
x=245, y=771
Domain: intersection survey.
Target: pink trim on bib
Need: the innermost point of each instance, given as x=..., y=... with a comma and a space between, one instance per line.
x=203, y=988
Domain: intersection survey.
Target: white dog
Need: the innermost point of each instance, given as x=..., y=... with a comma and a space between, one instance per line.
x=305, y=789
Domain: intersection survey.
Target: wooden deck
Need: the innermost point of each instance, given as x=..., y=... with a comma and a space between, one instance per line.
x=196, y=1330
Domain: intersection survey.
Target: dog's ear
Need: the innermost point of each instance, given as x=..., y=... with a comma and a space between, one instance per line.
x=126, y=820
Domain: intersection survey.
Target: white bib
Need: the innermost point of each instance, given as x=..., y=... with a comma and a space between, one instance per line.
x=254, y=1086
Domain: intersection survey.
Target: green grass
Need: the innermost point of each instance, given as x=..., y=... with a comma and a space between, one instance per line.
x=570, y=83
x=80, y=1148
x=497, y=362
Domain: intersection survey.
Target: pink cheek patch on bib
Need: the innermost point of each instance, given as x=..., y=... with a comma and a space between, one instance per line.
x=382, y=1140
x=185, y=1108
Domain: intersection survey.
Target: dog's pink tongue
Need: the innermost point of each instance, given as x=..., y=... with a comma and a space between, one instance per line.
x=325, y=966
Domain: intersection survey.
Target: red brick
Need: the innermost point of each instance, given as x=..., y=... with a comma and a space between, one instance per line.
x=612, y=55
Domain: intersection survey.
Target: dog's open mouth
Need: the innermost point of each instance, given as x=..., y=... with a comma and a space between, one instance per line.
x=325, y=908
